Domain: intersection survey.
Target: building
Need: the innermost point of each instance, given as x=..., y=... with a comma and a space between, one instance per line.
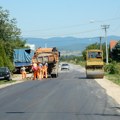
x=115, y=50
x=32, y=46
x=113, y=44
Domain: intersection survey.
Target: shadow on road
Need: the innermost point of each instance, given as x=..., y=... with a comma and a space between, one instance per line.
x=88, y=114
x=84, y=77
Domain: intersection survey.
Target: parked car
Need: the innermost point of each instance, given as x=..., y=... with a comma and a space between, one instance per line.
x=65, y=66
x=5, y=73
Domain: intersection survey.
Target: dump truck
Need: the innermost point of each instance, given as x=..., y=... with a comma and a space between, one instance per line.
x=22, y=57
x=49, y=55
x=94, y=64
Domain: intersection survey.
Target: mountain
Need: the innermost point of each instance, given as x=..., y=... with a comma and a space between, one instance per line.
x=68, y=43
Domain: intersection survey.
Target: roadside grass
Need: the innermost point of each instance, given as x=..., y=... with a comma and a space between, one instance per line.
x=82, y=63
x=6, y=81
x=112, y=72
x=114, y=78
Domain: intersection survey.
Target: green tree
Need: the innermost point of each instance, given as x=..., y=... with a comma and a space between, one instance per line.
x=9, y=38
x=3, y=58
x=116, y=52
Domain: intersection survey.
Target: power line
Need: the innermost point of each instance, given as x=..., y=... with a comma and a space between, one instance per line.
x=55, y=28
x=110, y=19
x=66, y=34
x=74, y=26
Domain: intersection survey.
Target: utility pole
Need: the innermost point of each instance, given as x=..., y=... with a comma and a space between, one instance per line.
x=101, y=43
x=105, y=27
x=45, y=45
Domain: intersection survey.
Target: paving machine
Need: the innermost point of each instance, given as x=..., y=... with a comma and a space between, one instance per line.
x=94, y=64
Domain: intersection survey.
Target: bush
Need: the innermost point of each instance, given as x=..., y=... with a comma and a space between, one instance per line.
x=112, y=68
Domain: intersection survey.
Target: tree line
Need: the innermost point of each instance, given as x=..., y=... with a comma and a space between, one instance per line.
x=76, y=59
x=9, y=38
x=114, y=55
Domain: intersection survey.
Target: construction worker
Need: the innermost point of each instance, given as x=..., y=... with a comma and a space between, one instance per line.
x=34, y=69
x=42, y=70
x=23, y=72
x=45, y=67
x=39, y=71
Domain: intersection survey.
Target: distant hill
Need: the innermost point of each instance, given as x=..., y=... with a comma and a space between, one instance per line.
x=68, y=43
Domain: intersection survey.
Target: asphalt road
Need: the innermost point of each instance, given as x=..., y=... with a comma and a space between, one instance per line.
x=69, y=97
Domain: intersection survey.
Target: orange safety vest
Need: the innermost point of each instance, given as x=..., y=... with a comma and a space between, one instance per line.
x=34, y=67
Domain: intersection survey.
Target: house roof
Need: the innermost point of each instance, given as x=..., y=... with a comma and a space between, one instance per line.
x=112, y=44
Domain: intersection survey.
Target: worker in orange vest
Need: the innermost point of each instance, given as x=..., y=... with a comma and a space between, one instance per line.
x=39, y=71
x=23, y=72
x=42, y=71
x=45, y=68
x=34, y=69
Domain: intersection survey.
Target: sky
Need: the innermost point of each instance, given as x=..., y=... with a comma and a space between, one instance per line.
x=62, y=18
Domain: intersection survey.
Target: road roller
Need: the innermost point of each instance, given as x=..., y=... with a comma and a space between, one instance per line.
x=94, y=64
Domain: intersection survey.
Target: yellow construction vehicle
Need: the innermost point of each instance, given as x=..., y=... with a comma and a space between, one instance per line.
x=94, y=64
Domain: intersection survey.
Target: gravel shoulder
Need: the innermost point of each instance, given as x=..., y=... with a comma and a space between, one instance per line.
x=111, y=88
x=17, y=78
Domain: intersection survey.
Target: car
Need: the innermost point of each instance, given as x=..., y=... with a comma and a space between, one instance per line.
x=65, y=66
x=5, y=73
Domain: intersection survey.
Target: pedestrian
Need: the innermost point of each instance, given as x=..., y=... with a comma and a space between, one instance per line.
x=23, y=72
x=34, y=69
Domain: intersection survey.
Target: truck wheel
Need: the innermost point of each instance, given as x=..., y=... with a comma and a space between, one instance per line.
x=54, y=75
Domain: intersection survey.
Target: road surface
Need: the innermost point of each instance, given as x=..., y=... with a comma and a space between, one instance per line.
x=69, y=97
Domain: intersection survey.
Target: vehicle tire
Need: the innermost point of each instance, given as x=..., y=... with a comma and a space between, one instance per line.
x=9, y=79
x=54, y=75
